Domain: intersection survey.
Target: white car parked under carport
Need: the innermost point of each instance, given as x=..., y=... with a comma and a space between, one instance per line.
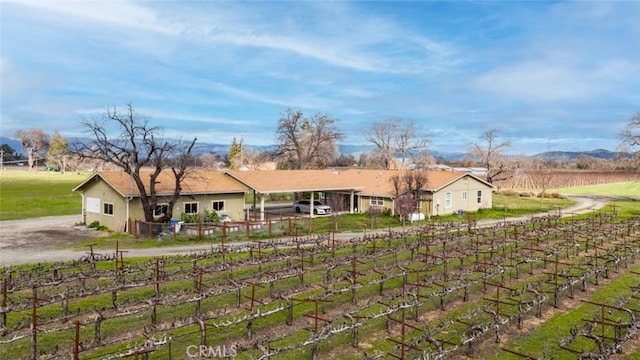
x=304, y=206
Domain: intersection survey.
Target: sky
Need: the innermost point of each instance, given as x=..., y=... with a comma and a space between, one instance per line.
x=548, y=75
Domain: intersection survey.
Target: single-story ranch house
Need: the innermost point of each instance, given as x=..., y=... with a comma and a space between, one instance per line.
x=112, y=198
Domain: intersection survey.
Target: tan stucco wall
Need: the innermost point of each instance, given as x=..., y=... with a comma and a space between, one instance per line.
x=466, y=184
x=365, y=203
x=430, y=201
x=234, y=205
x=106, y=194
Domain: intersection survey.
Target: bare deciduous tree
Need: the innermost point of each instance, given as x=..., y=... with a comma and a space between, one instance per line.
x=34, y=142
x=307, y=142
x=136, y=148
x=254, y=160
x=381, y=136
x=490, y=154
x=209, y=161
x=631, y=135
x=408, y=188
x=399, y=138
x=541, y=178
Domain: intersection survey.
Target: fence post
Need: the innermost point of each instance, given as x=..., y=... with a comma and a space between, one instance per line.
x=76, y=340
x=4, y=310
x=224, y=232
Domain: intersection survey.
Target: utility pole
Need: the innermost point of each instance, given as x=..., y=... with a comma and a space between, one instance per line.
x=1, y=159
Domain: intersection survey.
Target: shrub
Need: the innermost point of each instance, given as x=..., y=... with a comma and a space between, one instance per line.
x=96, y=225
x=509, y=192
x=211, y=216
x=190, y=218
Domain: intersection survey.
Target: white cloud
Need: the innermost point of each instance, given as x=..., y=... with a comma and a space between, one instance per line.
x=112, y=13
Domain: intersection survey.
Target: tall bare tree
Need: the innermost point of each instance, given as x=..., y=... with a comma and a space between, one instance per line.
x=631, y=135
x=137, y=147
x=307, y=142
x=397, y=138
x=35, y=143
x=490, y=154
x=381, y=136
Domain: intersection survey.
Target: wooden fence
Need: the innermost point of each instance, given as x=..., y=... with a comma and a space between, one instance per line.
x=273, y=225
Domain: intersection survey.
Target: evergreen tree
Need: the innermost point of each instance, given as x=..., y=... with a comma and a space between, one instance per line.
x=9, y=153
x=58, y=152
x=234, y=157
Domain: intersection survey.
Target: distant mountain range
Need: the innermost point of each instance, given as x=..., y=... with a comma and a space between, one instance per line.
x=15, y=144
x=569, y=156
x=357, y=150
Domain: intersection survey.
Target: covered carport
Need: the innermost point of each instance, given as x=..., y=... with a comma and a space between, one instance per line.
x=264, y=183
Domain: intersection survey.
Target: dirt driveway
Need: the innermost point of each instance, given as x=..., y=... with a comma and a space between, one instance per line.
x=51, y=238
x=33, y=240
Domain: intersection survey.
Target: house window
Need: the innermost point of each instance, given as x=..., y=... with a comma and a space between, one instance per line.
x=464, y=195
x=107, y=208
x=218, y=205
x=376, y=201
x=191, y=208
x=160, y=209
x=447, y=200
x=479, y=196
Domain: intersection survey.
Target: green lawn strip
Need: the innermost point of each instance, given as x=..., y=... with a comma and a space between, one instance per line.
x=618, y=189
x=537, y=343
x=36, y=194
x=625, y=208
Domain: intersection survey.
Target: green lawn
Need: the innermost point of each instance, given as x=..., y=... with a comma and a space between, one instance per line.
x=625, y=189
x=31, y=194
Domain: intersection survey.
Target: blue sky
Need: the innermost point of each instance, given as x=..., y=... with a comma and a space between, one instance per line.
x=549, y=75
